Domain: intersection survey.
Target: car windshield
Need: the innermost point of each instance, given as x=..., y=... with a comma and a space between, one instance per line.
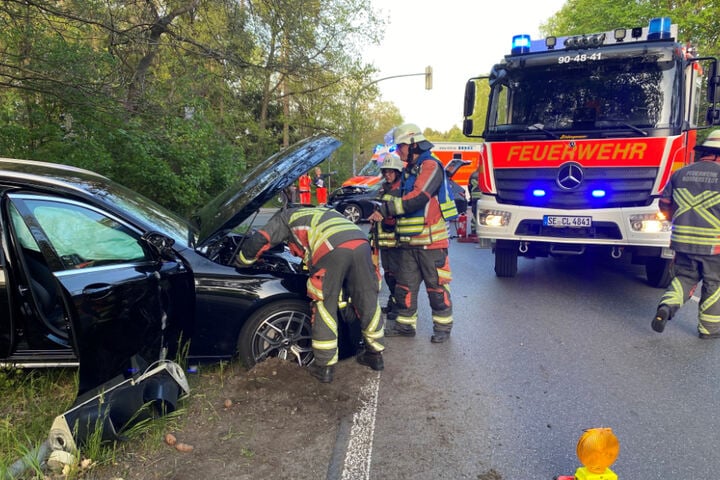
x=371, y=169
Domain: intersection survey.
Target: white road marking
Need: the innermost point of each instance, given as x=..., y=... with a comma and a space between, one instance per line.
x=359, y=451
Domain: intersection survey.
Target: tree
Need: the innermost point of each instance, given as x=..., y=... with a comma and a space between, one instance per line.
x=696, y=19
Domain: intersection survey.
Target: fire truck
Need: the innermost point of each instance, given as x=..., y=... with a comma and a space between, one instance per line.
x=581, y=134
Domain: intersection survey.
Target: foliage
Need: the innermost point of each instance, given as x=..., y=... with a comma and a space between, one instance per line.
x=175, y=99
x=695, y=18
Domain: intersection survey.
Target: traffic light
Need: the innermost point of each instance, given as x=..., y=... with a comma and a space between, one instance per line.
x=428, y=78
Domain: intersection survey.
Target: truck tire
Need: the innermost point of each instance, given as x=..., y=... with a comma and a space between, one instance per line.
x=659, y=272
x=506, y=257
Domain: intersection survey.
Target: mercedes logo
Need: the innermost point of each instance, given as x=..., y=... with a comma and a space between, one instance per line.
x=570, y=176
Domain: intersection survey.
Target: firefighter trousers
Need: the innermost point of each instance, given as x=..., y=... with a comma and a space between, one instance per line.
x=689, y=270
x=432, y=267
x=350, y=269
x=390, y=258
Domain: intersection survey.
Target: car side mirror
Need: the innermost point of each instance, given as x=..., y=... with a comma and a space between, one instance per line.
x=160, y=245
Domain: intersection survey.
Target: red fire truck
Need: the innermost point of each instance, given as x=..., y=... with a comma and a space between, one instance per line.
x=581, y=135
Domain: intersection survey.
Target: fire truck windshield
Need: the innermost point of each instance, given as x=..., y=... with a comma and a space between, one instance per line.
x=586, y=96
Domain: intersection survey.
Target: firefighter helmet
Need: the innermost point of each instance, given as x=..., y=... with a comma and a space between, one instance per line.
x=408, y=133
x=392, y=161
x=711, y=144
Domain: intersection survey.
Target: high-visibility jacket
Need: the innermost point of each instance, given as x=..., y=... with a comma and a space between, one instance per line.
x=310, y=233
x=387, y=234
x=420, y=220
x=474, y=186
x=693, y=194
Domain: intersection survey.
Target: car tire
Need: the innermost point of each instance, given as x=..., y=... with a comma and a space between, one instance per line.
x=659, y=272
x=280, y=329
x=352, y=212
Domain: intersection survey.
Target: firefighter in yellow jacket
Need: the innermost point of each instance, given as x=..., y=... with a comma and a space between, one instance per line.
x=692, y=198
x=385, y=229
x=423, y=239
x=337, y=254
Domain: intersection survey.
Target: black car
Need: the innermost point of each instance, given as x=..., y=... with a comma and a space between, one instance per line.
x=94, y=274
x=355, y=202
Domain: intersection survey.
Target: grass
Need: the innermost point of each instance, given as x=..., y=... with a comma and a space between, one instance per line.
x=29, y=402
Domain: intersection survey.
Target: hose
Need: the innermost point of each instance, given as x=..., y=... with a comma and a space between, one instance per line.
x=35, y=457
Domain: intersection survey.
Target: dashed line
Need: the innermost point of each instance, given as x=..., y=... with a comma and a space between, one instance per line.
x=359, y=450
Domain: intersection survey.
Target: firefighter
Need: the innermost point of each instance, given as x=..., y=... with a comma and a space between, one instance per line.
x=475, y=194
x=337, y=255
x=391, y=170
x=692, y=199
x=423, y=238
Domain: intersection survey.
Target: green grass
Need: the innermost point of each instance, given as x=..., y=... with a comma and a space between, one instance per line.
x=31, y=399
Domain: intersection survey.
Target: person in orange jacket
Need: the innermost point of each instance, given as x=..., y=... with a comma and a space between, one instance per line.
x=304, y=183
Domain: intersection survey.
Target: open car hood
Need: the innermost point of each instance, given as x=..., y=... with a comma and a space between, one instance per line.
x=260, y=185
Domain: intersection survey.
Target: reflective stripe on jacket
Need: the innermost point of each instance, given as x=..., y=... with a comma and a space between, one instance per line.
x=310, y=232
x=420, y=220
x=695, y=193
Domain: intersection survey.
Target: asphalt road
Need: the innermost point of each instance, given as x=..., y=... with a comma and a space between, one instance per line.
x=536, y=359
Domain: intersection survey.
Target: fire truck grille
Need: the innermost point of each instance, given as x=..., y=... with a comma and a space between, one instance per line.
x=591, y=188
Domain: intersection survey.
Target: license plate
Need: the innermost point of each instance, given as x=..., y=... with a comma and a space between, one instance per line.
x=566, y=221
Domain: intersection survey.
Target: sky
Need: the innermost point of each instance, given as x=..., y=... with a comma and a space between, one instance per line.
x=459, y=39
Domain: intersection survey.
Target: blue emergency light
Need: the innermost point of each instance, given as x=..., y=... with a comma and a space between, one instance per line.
x=520, y=44
x=598, y=193
x=659, y=28
x=538, y=192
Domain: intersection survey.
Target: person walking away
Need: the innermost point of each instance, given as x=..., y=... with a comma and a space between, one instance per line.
x=337, y=254
x=692, y=199
x=304, y=183
x=391, y=170
x=423, y=238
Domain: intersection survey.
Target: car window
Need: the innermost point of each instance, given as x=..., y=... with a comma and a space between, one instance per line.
x=81, y=237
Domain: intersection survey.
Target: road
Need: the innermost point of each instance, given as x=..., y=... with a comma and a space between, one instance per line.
x=532, y=362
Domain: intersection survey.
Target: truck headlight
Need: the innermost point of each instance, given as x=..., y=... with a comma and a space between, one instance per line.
x=493, y=218
x=650, y=223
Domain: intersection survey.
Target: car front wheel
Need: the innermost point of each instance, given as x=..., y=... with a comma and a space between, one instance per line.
x=281, y=329
x=352, y=212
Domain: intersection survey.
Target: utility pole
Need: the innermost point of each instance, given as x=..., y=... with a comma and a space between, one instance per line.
x=353, y=121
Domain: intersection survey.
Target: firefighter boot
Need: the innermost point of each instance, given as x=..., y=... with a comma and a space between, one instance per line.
x=395, y=329
x=440, y=336
x=324, y=373
x=371, y=359
x=661, y=318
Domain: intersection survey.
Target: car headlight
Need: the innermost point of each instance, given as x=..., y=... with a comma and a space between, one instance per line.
x=650, y=223
x=493, y=218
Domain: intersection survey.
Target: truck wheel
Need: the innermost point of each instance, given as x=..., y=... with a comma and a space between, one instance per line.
x=506, y=256
x=659, y=272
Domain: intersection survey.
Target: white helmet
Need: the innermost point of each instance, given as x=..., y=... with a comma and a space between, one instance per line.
x=711, y=143
x=393, y=161
x=408, y=133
